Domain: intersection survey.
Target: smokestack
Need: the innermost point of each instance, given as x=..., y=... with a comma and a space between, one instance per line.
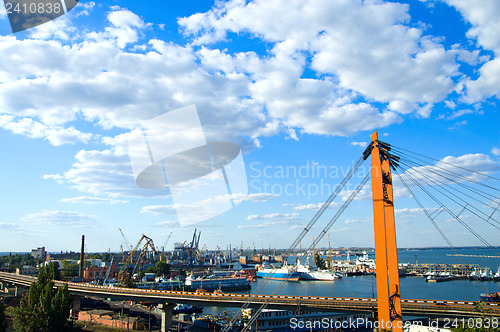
x=82, y=256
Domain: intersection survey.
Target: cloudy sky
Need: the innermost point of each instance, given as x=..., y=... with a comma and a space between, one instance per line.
x=298, y=85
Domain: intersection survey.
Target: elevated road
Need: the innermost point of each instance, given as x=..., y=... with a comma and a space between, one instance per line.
x=411, y=307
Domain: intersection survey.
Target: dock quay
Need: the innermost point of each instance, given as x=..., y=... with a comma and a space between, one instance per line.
x=453, y=269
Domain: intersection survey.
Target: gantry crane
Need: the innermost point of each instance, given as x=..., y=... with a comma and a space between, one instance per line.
x=126, y=278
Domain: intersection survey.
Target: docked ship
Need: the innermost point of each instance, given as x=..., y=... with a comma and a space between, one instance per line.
x=212, y=283
x=365, y=260
x=305, y=321
x=440, y=277
x=161, y=284
x=491, y=297
x=313, y=273
x=286, y=272
x=484, y=275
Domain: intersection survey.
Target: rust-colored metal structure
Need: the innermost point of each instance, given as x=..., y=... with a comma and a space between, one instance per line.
x=386, y=257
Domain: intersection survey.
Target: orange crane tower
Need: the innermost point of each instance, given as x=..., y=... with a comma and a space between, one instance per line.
x=386, y=257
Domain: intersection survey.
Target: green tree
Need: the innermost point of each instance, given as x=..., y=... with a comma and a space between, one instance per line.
x=319, y=262
x=3, y=320
x=53, y=271
x=43, y=308
x=162, y=268
x=70, y=269
x=484, y=323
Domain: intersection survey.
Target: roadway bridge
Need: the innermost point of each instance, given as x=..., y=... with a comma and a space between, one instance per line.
x=410, y=307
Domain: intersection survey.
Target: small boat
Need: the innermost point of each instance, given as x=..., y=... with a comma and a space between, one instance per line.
x=440, y=277
x=186, y=309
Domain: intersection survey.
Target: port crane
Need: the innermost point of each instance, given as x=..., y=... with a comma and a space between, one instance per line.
x=190, y=252
x=163, y=254
x=106, y=277
x=129, y=246
x=166, y=242
x=444, y=179
x=126, y=278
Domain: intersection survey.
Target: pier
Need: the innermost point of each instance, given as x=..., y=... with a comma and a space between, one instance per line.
x=463, y=270
x=431, y=308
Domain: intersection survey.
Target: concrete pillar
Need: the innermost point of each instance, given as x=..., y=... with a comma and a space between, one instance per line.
x=20, y=290
x=75, y=308
x=166, y=315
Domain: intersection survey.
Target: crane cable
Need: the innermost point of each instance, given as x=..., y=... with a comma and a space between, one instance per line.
x=449, y=164
x=443, y=187
x=476, y=191
x=313, y=245
x=306, y=229
x=432, y=219
x=435, y=199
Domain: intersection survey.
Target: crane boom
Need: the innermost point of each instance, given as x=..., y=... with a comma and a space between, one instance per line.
x=168, y=238
x=125, y=239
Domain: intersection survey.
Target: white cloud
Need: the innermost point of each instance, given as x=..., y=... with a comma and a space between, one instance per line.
x=289, y=220
x=469, y=166
x=169, y=209
x=402, y=68
x=168, y=223
x=125, y=27
x=276, y=217
x=258, y=197
x=244, y=94
x=240, y=96
x=360, y=144
x=484, y=19
x=488, y=83
x=159, y=209
x=262, y=225
x=495, y=151
x=478, y=162
x=485, y=27
x=363, y=195
x=311, y=206
x=340, y=230
x=58, y=217
x=56, y=177
x=7, y=226
x=99, y=82
x=203, y=207
x=92, y=200
x=460, y=113
x=356, y=221
x=55, y=29
x=106, y=172
x=56, y=135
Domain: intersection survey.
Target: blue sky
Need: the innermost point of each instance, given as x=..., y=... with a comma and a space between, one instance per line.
x=296, y=84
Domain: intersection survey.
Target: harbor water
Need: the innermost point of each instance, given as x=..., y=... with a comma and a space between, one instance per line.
x=411, y=287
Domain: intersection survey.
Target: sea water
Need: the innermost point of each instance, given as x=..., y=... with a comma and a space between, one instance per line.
x=411, y=287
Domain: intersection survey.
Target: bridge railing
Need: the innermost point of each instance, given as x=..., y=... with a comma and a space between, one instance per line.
x=317, y=302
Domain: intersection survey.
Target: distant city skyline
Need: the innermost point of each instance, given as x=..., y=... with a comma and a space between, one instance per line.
x=300, y=95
